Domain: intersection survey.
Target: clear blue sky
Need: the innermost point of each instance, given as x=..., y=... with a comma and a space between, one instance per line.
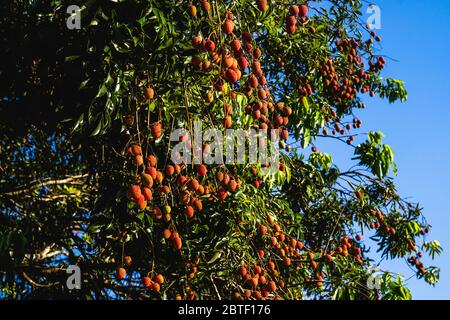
x=416, y=35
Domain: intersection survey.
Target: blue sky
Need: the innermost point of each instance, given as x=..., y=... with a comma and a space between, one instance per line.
x=416, y=40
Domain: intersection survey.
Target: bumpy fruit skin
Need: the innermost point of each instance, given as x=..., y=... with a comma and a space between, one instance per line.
x=210, y=45
x=136, y=150
x=228, y=27
x=121, y=273
x=135, y=192
x=141, y=203
x=206, y=6
x=170, y=170
x=303, y=10
x=235, y=45
x=152, y=161
x=231, y=76
x=147, y=282
x=159, y=279
x=202, y=170
x=189, y=212
x=147, y=193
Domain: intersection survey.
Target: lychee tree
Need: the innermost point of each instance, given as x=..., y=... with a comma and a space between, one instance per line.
x=87, y=177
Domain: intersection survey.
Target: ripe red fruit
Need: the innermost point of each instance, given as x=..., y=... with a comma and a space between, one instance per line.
x=223, y=194
x=303, y=10
x=196, y=41
x=193, y=184
x=291, y=20
x=247, y=37
x=135, y=192
x=141, y=203
x=155, y=129
x=149, y=93
x=147, y=193
x=206, y=6
x=242, y=62
x=263, y=230
x=227, y=123
x=358, y=237
x=262, y=94
x=201, y=170
x=232, y=185
x=253, y=82
x=147, y=282
x=159, y=279
x=261, y=254
x=294, y=10
x=243, y=271
x=167, y=234
x=262, y=5
x=181, y=180
x=198, y=205
x=235, y=45
x=170, y=170
x=228, y=26
x=152, y=160
x=121, y=273
x=189, y=212
x=272, y=286
x=210, y=45
x=231, y=76
x=156, y=287
x=152, y=172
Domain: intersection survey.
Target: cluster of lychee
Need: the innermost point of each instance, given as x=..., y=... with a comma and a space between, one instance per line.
x=295, y=12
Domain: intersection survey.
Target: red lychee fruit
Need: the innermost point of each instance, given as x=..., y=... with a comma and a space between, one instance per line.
x=228, y=26
x=202, y=170
x=121, y=273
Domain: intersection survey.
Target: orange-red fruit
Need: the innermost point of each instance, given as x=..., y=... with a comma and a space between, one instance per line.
x=189, y=212
x=206, y=6
x=155, y=129
x=223, y=194
x=147, y=282
x=303, y=10
x=253, y=82
x=156, y=287
x=149, y=93
x=263, y=229
x=247, y=36
x=147, y=193
x=141, y=203
x=135, y=191
x=243, y=271
x=167, y=234
x=232, y=185
x=235, y=45
x=193, y=184
x=121, y=273
x=261, y=254
x=159, y=279
x=136, y=150
x=262, y=5
x=181, y=180
x=210, y=45
x=228, y=26
x=198, y=205
x=152, y=160
x=272, y=286
x=227, y=123
x=294, y=10
x=202, y=170
x=231, y=76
